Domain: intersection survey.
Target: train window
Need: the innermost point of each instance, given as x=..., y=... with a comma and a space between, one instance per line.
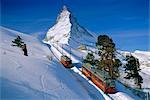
x=92, y=67
x=107, y=84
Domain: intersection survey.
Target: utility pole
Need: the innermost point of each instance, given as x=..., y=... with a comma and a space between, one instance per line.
x=62, y=49
x=70, y=52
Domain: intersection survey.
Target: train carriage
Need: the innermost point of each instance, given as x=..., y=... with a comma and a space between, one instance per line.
x=100, y=78
x=66, y=61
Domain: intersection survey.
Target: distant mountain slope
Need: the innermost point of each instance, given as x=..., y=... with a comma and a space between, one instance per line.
x=68, y=31
x=143, y=56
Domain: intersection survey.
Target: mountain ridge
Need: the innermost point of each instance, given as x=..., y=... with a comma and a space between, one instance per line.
x=67, y=30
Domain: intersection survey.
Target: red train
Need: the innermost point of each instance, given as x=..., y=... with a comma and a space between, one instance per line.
x=100, y=78
x=66, y=61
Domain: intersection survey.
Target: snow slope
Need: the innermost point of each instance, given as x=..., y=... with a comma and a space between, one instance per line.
x=39, y=75
x=144, y=59
x=68, y=31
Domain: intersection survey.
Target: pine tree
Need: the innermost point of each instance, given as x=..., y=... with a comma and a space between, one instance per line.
x=132, y=69
x=24, y=49
x=108, y=60
x=89, y=58
x=18, y=42
x=117, y=63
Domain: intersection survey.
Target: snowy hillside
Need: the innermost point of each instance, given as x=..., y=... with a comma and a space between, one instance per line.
x=144, y=59
x=39, y=75
x=68, y=31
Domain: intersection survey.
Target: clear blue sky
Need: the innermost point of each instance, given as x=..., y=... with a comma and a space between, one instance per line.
x=126, y=21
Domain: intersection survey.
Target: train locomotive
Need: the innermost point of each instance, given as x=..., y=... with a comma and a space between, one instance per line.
x=100, y=78
x=66, y=61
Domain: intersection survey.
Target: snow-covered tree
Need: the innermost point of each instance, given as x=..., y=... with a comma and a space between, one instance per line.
x=116, y=64
x=24, y=49
x=89, y=58
x=132, y=69
x=18, y=42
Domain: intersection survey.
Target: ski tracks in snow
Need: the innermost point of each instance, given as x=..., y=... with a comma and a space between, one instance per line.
x=43, y=85
x=44, y=88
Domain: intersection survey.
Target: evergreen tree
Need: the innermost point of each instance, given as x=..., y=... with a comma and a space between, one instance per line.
x=101, y=64
x=117, y=63
x=132, y=69
x=89, y=58
x=24, y=49
x=108, y=60
x=18, y=42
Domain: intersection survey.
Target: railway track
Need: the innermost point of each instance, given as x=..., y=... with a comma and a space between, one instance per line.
x=78, y=74
x=77, y=70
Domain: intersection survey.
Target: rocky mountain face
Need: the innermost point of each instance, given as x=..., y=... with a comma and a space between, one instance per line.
x=67, y=31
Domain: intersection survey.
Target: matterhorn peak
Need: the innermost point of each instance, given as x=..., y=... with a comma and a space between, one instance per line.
x=67, y=30
x=65, y=13
x=65, y=7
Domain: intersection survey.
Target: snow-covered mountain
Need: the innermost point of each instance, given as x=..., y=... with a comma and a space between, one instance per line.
x=68, y=31
x=41, y=76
